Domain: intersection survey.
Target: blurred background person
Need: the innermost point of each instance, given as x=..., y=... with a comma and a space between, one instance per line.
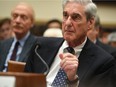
x=53, y=32
x=112, y=39
x=18, y=47
x=38, y=30
x=5, y=29
x=104, y=33
x=93, y=35
x=54, y=23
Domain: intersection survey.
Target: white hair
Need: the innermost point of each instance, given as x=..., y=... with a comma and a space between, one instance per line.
x=53, y=32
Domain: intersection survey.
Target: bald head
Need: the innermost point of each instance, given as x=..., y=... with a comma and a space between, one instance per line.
x=28, y=8
x=22, y=19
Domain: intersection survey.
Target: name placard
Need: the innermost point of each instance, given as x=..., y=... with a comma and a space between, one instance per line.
x=7, y=81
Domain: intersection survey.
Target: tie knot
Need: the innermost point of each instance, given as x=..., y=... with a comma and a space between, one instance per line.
x=17, y=43
x=69, y=50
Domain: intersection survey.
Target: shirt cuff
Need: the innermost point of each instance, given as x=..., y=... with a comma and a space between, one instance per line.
x=73, y=83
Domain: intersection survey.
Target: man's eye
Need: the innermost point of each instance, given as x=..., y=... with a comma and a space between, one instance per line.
x=24, y=17
x=76, y=17
x=65, y=15
x=14, y=16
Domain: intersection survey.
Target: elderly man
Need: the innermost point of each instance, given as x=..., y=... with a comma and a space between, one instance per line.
x=72, y=60
x=18, y=47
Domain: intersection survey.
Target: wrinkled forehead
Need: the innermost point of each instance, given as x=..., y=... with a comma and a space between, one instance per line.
x=24, y=8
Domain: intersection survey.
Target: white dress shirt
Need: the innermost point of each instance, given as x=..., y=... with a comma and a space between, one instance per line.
x=56, y=64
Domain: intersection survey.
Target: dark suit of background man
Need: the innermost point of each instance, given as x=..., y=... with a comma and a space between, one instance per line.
x=22, y=21
x=93, y=35
x=90, y=66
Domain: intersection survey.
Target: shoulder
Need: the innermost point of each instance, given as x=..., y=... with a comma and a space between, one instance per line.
x=5, y=45
x=49, y=40
x=7, y=41
x=105, y=46
x=32, y=37
x=97, y=51
x=100, y=58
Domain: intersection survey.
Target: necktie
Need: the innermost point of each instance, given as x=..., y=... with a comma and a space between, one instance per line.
x=69, y=50
x=14, y=53
x=60, y=79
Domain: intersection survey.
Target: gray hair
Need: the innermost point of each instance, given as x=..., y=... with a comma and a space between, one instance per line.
x=90, y=7
x=112, y=37
x=97, y=22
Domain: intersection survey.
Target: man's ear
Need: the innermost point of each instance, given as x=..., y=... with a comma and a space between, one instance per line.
x=91, y=23
x=97, y=30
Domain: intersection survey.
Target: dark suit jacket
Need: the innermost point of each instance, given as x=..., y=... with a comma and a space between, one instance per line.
x=5, y=47
x=94, y=63
x=107, y=48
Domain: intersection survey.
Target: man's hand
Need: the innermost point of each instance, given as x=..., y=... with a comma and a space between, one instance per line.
x=69, y=63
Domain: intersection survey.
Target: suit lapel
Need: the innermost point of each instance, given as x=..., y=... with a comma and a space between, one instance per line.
x=50, y=50
x=5, y=47
x=27, y=47
x=85, y=60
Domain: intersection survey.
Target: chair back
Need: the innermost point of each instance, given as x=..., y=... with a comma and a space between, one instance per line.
x=15, y=66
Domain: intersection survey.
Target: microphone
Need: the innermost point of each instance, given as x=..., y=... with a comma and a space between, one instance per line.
x=69, y=50
x=47, y=67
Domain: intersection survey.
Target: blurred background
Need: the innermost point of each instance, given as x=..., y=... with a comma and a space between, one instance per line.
x=49, y=9
x=46, y=10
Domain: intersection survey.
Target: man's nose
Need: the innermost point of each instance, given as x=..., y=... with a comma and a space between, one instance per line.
x=68, y=21
x=18, y=19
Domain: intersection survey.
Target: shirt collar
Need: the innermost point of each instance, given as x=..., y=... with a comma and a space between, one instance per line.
x=77, y=49
x=22, y=41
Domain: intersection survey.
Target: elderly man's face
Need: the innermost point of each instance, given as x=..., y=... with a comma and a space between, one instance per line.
x=75, y=24
x=21, y=20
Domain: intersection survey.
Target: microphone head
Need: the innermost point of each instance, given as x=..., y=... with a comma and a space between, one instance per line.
x=69, y=50
x=37, y=44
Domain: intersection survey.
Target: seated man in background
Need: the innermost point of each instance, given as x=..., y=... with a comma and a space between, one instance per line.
x=72, y=60
x=18, y=47
x=5, y=29
x=93, y=35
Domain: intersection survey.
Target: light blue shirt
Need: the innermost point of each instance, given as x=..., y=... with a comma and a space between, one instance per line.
x=20, y=47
